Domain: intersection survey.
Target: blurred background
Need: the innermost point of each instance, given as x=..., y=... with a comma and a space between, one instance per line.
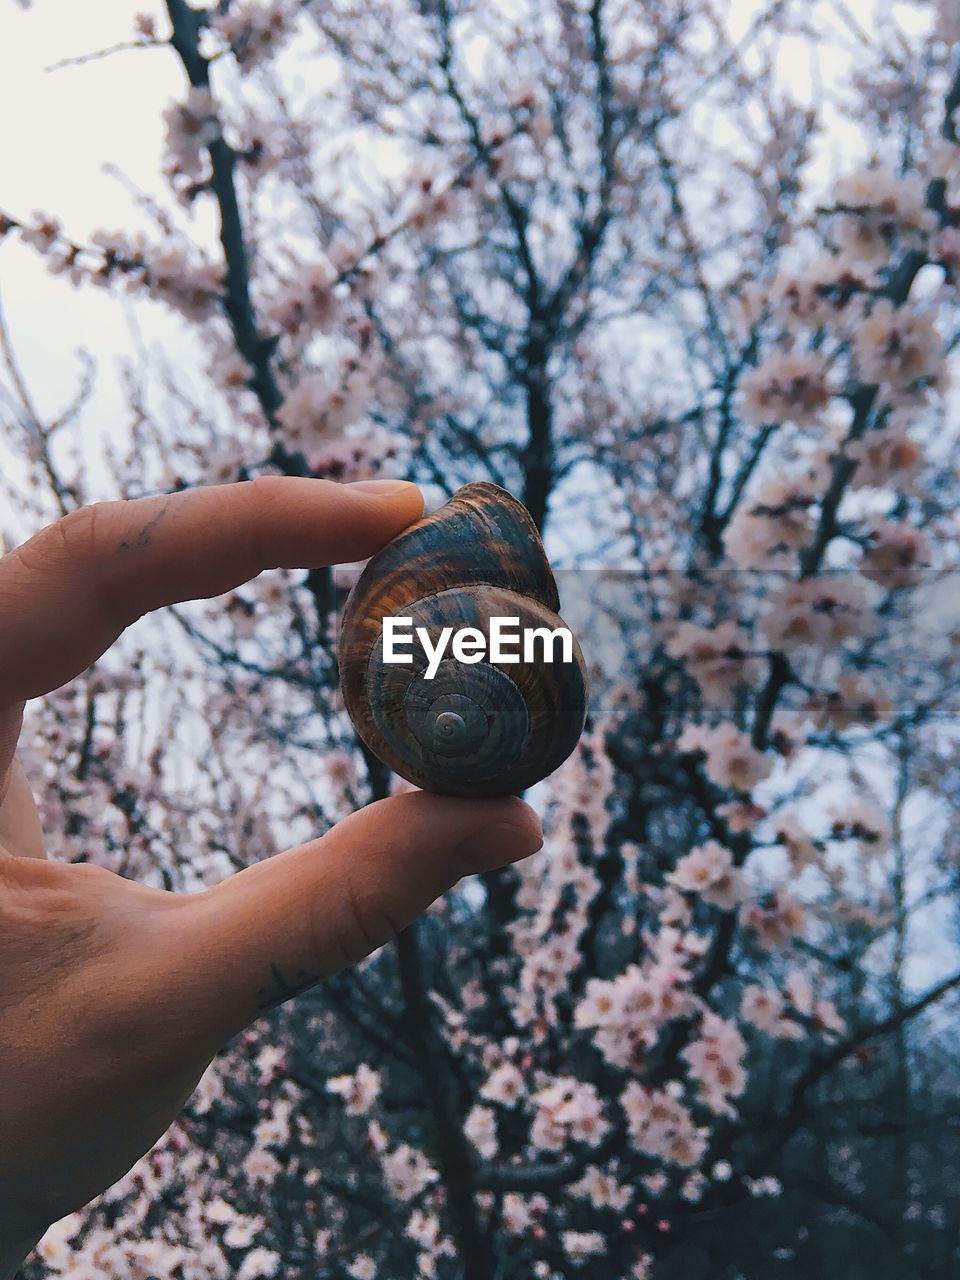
x=682, y=275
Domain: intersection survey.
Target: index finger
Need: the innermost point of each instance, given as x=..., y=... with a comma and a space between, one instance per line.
x=68, y=592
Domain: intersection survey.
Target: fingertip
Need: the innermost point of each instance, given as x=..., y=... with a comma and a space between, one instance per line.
x=399, y=496
x=496, y=846
x=465, y=835
x=382, y=487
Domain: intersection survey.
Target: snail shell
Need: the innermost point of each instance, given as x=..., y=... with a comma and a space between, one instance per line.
x=475, y=729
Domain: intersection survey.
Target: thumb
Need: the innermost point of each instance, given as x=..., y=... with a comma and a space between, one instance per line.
x=280, y=926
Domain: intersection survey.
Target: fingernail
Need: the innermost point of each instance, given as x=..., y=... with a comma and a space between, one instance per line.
x=500, y=843
x=379, y=486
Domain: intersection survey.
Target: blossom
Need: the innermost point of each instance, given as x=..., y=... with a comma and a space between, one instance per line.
x=517, y=1213
x=878, y=210
x=193, y=288
x=219, y=1211
x=274, y=1131
x=191, y=125
x=885, y=456
x=259, y=1262
x=242, y=1231
x=945, y=248
x=359, y=1090
x=715, y=1061
x=761, y=1007
x=820, y=612
x=823, y=292
x=693, y=1188
x=799, y=992
x=767, y=1186
x=481, y=1128
x=319, y=408
x=855, y=700
x=827, y=1019
x=362, y=1267
x=628, y=1011
x=900, y=348
x=254, y=32
x=731, y=759
x=260, y=1166
x=787, y=387
x=504, y=1085
x=769, y=530
x=308, y=302
x=802, y=849
x=776, y=924
x=41, y=233
x=710, y=872
x=407, y=1171
x=896, y=555
x=863, y=821
x=599, y=1005
x=741, y=815
x=601, y=1189
x=568, y=1108
x=580, y=1245
x=228, y=369
x=424, y=1228
x=716, y=657
x=377, y=1140
x=660, y=1125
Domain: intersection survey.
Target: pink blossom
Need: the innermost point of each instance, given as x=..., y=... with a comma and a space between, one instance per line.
x=407, y=1171
x=856, y=700
x=802, y=849
x=731, y=760
x=787, y=387
x=709, y=871
x=864, y=821
x=481, y=1128
x=761, y=1007
x=896, y=556
x=818, y=612
x=900, y=348
x=889, y=456
x=880, y=210
x=716, y=657
x=254, y=31
x=359, y=1090
x=777, y=924
x=580, y=1245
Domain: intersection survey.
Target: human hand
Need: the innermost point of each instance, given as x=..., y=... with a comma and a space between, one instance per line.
x=114, y=997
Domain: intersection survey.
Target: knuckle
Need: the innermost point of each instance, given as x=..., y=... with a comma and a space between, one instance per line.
x=78, y=535
x=68, y=542
x=371, y=922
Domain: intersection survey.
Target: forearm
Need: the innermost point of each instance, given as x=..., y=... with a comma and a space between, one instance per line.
x=13, y=1255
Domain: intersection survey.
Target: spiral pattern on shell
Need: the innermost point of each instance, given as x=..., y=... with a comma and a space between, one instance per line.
x=474, y=729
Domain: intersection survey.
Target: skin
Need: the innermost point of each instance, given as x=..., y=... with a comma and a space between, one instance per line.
x=114, y=996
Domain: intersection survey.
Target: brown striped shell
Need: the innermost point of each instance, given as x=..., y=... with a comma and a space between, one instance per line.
x=477, y=729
